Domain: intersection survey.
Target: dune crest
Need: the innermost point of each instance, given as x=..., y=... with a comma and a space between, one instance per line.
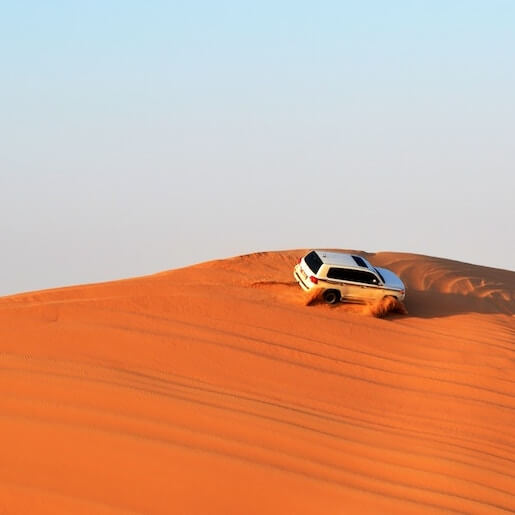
x=216, y=389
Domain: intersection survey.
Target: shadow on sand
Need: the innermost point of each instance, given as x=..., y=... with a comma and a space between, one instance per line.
x=433, y=304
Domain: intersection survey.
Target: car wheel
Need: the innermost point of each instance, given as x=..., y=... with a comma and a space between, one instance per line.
x=331, y=296
x=390, y=297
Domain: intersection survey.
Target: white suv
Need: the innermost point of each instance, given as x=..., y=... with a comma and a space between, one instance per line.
x=346, y=277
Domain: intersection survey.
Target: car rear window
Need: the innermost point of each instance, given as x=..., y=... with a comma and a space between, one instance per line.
x=313, y=261
x=356, y=276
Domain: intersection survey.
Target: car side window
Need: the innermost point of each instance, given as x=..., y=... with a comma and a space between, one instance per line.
x=341, y=274
x=356, y=276
x=369, y=278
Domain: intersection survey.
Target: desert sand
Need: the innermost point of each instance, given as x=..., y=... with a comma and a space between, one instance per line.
x=215, y=389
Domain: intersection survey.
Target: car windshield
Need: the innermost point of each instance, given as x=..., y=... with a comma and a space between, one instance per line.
x=359, y=261
x=379, y=274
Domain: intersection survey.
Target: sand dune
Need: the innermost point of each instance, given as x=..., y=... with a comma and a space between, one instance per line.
x=215, y=389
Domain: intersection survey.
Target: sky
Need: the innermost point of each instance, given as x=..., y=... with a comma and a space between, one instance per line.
x=140, y=136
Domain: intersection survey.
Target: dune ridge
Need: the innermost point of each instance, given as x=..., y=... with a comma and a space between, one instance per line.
x=215, y=389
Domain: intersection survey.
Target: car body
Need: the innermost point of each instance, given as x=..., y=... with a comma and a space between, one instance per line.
x=346, y=277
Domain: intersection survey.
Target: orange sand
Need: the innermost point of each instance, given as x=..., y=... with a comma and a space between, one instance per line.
x=215, y=389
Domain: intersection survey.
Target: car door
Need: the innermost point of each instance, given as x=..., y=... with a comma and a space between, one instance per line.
x=361, y=285
x=371, y=286
x=357, y=290
x=336, y=279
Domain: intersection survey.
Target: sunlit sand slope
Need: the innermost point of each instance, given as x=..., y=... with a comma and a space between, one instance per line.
x=215, y=389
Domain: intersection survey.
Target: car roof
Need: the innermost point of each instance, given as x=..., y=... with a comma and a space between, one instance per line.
x=331, y=257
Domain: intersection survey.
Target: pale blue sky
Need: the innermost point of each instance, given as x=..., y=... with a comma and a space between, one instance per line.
x=142, y=136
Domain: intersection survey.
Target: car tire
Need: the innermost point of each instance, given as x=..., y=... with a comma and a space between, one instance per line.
x=331, y=296
x=390, y=297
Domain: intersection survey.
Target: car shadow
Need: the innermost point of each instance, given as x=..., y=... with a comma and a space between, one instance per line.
x=434, y=304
